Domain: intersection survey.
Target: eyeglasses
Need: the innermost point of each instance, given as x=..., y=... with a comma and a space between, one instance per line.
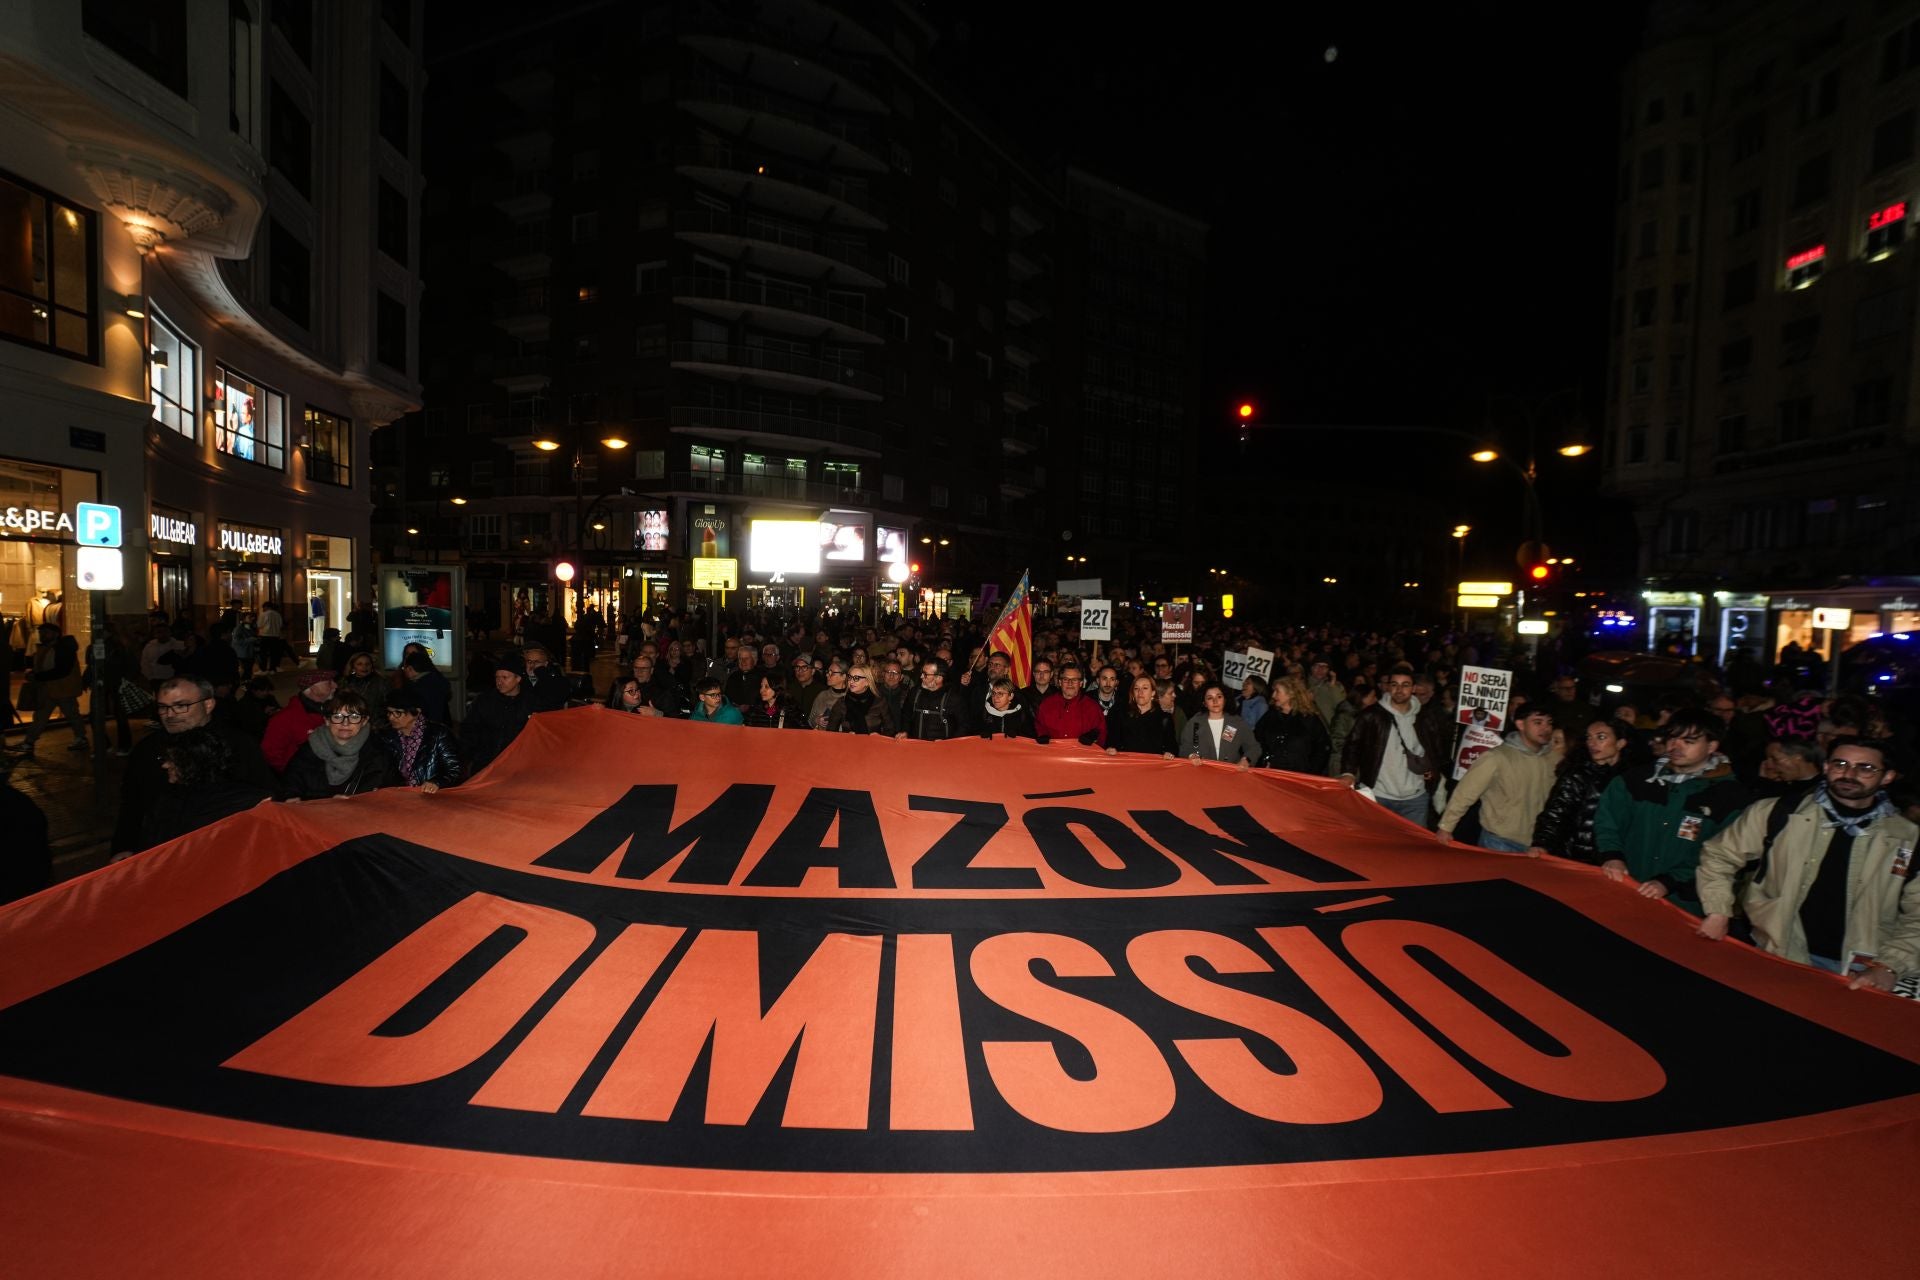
x=1849, y=766
x=177, y=708
x=836, y=671
x=345, y=717
x=851, y=679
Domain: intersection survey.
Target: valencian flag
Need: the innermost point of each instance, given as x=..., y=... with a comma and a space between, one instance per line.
x=652, y=997
x=1013, y=634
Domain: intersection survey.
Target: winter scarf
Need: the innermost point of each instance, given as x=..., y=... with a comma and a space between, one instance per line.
x=410, y=746
x=1667, y=776
x=340, y=758
x=1855, y=824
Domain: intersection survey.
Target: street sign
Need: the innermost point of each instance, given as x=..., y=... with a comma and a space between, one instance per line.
x=1176, y=624
x=716, y=573
x=1486, y=588
x=1478, y=602
x=99, y=525
x=1096, y=620
x=99, y=568
x=1533, y=626
x=1832, y=619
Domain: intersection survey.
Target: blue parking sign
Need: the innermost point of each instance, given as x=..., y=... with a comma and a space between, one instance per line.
x=96, y=524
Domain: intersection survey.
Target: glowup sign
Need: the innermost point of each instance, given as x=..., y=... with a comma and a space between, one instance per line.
x=914, y=1001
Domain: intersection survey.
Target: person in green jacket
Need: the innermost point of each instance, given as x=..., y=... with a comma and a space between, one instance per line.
x=1652, y=827
x=710, y=705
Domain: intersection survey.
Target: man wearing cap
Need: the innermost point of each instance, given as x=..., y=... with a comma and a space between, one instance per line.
x=300, y=717
x=1511, y=783
x=496, y=717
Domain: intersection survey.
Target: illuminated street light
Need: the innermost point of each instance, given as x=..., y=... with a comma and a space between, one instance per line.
x=1485, y=455
x=1575, y=450
x=413, y=532
x=458, y=502
x=1462, y=530
x=546, y=444
x=614, y=442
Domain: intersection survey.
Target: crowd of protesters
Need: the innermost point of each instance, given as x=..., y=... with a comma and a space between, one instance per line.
x=1771, y=812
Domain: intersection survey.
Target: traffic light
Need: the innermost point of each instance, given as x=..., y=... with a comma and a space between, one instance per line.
x=1539, y=573
x=1246, y=410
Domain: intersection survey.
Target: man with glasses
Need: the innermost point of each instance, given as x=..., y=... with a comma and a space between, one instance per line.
x=658, y=694
x=1041, y=688
x=300, y=717
x=1836, y=884
x=894, y=688
x=807, y=686
x=181, y=704
x=1652, y=826
x=934, y=712
x=1071, y=715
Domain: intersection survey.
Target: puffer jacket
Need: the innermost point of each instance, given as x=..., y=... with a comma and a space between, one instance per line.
x=1659, y=828
x=1565, y=825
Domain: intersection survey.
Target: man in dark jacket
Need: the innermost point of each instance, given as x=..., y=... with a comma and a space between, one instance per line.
x=742, y=685
x=547, y=687
x=1397, y=751
x=181, y=704
x=933, y=711
x=432, y=688
x=56, y=680
x=496, y=717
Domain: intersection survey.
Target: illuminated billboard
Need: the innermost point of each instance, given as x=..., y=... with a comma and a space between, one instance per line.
x=843, y=537
x=890, y=545
x=650, y=531
x=783, y=546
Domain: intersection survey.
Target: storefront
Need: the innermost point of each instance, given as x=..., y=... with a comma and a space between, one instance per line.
x=1673, y=621
x=1742, y=626
x=248, y=563
x=329, y=584
x=172, y=536
x=38, y=569
x=1876, y=611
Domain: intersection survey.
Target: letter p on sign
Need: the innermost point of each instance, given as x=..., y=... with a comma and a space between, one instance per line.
x=99, y=524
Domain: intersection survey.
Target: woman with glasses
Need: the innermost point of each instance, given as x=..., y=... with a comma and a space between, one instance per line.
x=340, y=758
x=861, y=709
x=424, y=754
x=1005, y=713
x=830, y=697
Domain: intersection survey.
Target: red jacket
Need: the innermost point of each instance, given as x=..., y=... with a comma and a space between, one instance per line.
x=287, y=730
x=1069, y=718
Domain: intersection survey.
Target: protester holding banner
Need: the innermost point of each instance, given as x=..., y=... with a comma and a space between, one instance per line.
x=424, y=754
x=1005, y=714
x=1395, y=752
x=1071, y=714
x=1139, y=726
x=773, y=706
x=1652, y=826
x=342, y=757
x=1291, y=732
x=497, y=716
x=203, y=786
x=1510, y=784
x=711, y=705
x=1565, y=825
x=1836, y=885
x=1218, y=735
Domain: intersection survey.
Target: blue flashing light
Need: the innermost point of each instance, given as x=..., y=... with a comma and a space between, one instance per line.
x=1884, y=679
x=1877, y=635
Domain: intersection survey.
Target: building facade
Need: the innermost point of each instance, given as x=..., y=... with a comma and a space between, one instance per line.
x=1763, y=369
x=737, y=265
x=214, y=207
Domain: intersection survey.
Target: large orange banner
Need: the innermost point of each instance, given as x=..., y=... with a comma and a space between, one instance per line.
x=659, y=998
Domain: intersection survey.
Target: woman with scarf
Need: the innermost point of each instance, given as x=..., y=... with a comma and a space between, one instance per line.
x=860, y=709
x=773, y=708
x=341, y=757
x=1003, y=715
x=424, y=754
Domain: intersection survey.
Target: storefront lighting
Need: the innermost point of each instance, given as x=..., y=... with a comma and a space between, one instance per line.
x=458, y=502
x=412, y=532
x=545, y=445
x=614, y=442
x=1575, y=450
x=1485, y=455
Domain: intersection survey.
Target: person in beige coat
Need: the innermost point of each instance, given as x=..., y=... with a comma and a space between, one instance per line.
x=1836, y=875
x=1511, y=783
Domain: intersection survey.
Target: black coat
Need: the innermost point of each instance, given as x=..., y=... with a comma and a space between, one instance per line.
x=437, y=761
x=1148, y=734
x=1015, y=722
x=1373, y=732
x=306, y=775
x=861, y=713
x=178, y=810
x=1296, y=741
x=145, y=780
x=1565, y=825
x=493, y=721
x=782, y=715
x=935, y=716
x=435, y=692
x=548, y=688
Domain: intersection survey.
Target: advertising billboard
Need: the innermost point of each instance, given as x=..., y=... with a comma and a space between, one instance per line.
x=650, y=531
x=843, y=537
x=890, y=545
x=783, y=546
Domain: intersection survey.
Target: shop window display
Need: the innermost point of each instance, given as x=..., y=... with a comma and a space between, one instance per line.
x=249, y=421
x=37, y=560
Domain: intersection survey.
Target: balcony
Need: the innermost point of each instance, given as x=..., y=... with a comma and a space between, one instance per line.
x=782, y=248
x=777, y=182
x=522, y=252
x=774, y=430
x=825, y=137
x=526, y=314
x=521, y=195
x=777, y=488
x=523, y=373
x=1018, y=436
x=783, y=370
x=1018, y=389
x=776, y=307
x=1020, y=482
x=768, y=57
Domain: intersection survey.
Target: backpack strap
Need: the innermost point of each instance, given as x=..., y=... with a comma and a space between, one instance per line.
x=1783, y=808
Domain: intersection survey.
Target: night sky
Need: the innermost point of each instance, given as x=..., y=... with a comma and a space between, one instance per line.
x=1398, y=234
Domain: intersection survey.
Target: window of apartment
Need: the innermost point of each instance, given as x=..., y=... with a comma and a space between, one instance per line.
x=1686, y=156
x=893, y=488
x=1901, y=53
x=1746, y=211
x=1805, y=266
x=1677, y=371
x=1732, y=436
x=585, y=228
x=1892, y=141
x=176, y=383
x=650, y=277
x=1642, y=377
x=289, y=274
x=1736, y=359
x=1797, y=338
x=945, y=344
x=249, y=421
x=937, y=496
x=1637, y=443
x=1643, y=302
x=1879, y=316
x=899, y=270
x=289, y=140
x=1739, y=285
x=898, y=326
x=393, y=226
x=943, y=397
x=1670, y=446
x=1820, y=98
x=705, y=460
x=1682, y=300
x=586, y=346
x=151, y=35
x=47, y=278
x=1886, y=228
x=396, y=110
x=1653, y=169
x=329, y=448
x=1749, y=137
x=949, y=194
x=390, y=331
x=587, y=293
x=1795, y=419
x=1813, y=179
x=901, y=157
x=1873, y=403
x=985, y=362
x=653, y=215
x=293, y=19
x=480, y=472
x=650, y=342
x=1680, y=532
x=943, y=294
x=485, y=531
x=841, y=475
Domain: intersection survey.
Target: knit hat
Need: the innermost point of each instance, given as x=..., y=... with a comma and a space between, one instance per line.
x=308, y=679
x=512, y=662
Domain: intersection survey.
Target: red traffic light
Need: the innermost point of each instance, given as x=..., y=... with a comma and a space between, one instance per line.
x=1246, y=410
x=1539, y=573
x=915, y=566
